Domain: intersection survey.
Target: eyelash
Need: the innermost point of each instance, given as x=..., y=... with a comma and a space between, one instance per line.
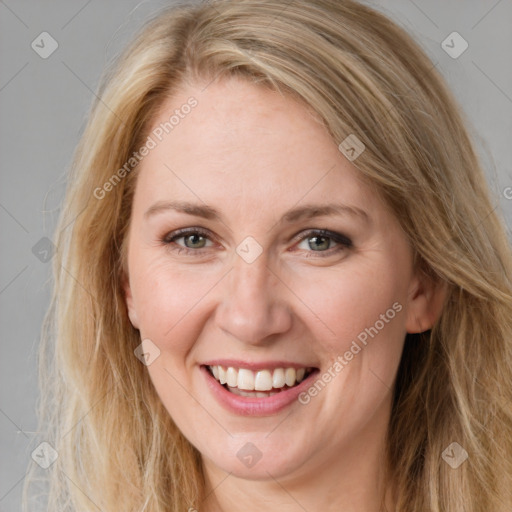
x=342, y=241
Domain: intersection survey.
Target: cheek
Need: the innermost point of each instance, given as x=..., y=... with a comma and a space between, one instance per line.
x=364, y=307
x=167, y=298
x=350, y=301
x=170, y=301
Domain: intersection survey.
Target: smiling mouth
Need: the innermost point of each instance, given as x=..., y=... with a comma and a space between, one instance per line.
x=258, y=384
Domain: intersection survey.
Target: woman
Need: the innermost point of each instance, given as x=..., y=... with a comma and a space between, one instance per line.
x=280, y=278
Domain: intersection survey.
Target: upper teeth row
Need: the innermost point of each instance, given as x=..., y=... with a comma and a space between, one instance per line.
x=262, y=380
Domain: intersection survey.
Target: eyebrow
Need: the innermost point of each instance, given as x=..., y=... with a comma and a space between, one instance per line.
x=294, y=215
x=207, y=212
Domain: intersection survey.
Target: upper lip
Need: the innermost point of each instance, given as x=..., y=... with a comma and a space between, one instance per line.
x=256, y=365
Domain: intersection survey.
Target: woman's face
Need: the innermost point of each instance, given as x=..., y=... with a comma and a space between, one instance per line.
x=254, y=246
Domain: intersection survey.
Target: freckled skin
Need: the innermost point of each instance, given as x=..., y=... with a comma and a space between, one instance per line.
x=253, y=155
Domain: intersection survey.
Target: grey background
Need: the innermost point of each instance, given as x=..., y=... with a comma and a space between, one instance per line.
x=43, y=104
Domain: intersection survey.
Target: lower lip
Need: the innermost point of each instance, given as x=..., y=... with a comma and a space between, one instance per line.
x=247, y=406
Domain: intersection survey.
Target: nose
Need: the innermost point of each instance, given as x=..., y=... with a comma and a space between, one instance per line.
x=253, y=306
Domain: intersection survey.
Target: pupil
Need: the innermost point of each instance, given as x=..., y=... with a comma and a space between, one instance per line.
x=194, y=241
x=319, y=242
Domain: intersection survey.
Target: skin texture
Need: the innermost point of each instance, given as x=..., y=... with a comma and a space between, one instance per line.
x=253, y=154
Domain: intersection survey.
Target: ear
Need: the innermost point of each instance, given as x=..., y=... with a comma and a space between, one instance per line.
x=425, y=304
x=132, y=313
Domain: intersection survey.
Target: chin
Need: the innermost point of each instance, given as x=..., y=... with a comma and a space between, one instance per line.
x=256, y=458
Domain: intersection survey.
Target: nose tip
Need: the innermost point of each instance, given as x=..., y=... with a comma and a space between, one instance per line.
x=252, y=309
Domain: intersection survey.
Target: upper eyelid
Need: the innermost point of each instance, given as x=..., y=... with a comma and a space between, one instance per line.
x=338, y=237
x=178, y=233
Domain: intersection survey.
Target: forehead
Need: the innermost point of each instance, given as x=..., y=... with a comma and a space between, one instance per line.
x=244, y=144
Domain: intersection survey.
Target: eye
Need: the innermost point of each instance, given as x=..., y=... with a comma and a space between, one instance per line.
x=319, y=243
x=323, y=241
x=194, y=241
x=190, y=239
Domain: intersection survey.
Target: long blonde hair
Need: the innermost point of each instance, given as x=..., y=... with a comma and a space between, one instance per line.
x=118, y=449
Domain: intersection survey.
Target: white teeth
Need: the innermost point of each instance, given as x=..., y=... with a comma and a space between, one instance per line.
x=278, y=379
x=222, y=375
x=231, y=377
x=262, y=380
x=252, y=394
x=245, y=379
x=290, y=376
